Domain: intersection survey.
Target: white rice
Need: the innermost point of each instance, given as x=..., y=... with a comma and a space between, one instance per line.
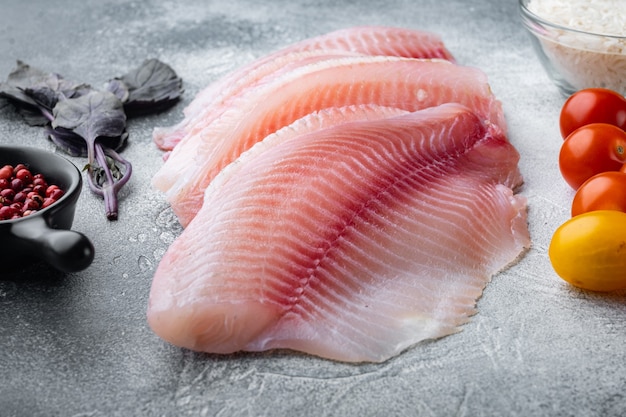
x=584, y=60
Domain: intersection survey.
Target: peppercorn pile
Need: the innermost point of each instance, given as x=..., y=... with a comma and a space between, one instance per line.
x=23, y=193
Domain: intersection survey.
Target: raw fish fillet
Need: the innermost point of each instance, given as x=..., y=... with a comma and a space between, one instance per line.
x=408, y=84
x=352, y=242
x=364, y=40
x=229, y=97
x=210, y=103
x=319, y=120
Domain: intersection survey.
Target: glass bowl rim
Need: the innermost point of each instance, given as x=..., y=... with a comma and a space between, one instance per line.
x=534, y=17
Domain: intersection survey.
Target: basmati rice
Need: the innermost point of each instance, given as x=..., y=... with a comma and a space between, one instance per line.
x=585, y=60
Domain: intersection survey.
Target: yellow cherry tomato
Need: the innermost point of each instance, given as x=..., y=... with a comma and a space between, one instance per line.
x=589, y=250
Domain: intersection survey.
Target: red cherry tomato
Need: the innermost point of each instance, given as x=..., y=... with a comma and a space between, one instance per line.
x=603, y=191
x=592, y=105
x=591, y=149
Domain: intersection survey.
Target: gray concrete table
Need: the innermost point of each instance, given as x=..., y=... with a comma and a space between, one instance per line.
x=78, y=344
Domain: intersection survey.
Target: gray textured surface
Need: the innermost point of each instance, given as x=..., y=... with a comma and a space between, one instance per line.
x=78, y=345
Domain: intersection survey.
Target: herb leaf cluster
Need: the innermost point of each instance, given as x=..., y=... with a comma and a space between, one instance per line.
x=88, y=122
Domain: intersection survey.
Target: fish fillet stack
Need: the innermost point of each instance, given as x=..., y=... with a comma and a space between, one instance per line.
x=348, y=196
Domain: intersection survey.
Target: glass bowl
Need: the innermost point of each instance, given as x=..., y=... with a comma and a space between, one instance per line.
x=575, y=59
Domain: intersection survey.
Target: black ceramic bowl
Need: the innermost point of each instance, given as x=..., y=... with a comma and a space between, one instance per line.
x=45, y=235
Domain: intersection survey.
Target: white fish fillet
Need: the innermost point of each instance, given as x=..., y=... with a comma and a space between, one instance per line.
x=352, y=242
x=362, y=40
x=408, y=84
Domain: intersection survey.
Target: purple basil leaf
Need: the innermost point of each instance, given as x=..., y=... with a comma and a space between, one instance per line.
x=118, y=88
x=94, y=115
x=34, y=92
x=68, y=141
x=152, y=87
x=99, y=118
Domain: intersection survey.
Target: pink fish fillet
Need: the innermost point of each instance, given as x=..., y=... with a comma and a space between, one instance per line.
x=365, y=40
x=185, y=148
x=408, y=84
x=310, y=123
x=353, y=242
